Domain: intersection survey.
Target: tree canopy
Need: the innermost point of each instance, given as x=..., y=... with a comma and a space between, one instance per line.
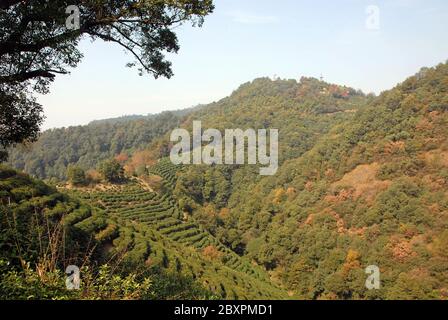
x=36, y=45
x=111, y=170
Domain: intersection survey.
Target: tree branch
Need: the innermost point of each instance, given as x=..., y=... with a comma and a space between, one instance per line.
x=23, y=76
x=109, y=38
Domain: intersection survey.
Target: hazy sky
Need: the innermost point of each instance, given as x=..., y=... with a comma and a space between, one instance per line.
x=246, y=39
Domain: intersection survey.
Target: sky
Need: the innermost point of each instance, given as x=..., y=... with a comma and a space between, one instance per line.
x=366, y=44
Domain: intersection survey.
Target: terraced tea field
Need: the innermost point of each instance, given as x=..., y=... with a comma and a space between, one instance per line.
x=167, y=170
x=134, y=203
x=150, y=223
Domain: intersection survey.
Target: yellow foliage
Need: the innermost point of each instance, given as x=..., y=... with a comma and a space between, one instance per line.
x=291, y=192
x=278, y=196
x=351, y=261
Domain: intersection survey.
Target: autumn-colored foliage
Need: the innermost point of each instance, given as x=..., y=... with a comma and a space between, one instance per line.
x=122, y=158
x=93, y=175
x=351, y=261
x=139, y=161
x=211, y=253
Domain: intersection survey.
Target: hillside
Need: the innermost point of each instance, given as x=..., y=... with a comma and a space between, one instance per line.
x=175, y=244
x=304, y=110
x=85, y=146
x=371, y=191
x=134, y=230
x=363, y=180
x=44, y=231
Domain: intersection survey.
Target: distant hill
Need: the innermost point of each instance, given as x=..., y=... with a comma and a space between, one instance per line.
x=87, y=145
x=303, y=110
x=121, y=119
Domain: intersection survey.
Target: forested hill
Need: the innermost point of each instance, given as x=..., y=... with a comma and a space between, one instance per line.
x=371, y=191
x=90, y=144
x=134, y=117
x=303, y=110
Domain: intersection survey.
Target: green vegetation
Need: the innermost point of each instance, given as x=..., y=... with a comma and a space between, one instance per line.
x=362, y=181
x=86, y=146
x=371, y=190
x=76, y=175
x=43, y=231
x=111, y=170
x=160, y=237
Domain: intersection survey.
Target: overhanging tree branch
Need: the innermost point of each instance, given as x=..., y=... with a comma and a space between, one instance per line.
x=35, y=45
x=128, y=48
x=24, y=76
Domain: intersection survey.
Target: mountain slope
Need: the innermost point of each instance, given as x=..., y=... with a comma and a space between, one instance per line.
x=46, y=228
x=162, y=239
x=372, y=191
x=362, y=181
x=302, y=111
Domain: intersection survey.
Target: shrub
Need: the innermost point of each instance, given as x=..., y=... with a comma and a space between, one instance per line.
x=76, y=176
x=111, y=170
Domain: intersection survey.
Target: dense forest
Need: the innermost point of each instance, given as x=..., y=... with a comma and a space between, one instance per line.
x=373, y=190
x=363, y=180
